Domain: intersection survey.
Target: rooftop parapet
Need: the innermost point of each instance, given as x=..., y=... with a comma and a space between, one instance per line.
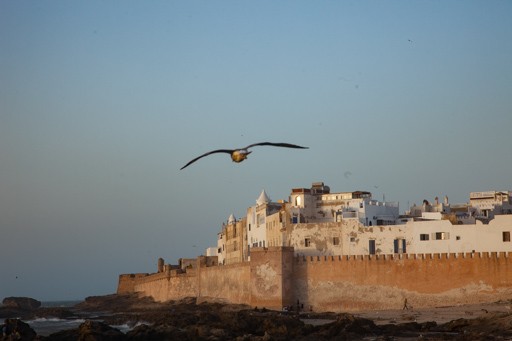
x=489, y=194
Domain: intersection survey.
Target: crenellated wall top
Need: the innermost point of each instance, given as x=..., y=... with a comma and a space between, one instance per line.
x=404, y=256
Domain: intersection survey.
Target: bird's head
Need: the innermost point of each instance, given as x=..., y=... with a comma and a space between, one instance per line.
x=240, y=155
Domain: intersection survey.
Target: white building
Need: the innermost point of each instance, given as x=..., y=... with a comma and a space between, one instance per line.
x=430, y=228
x=317, y=204
x=257, y=220
x=317, y=222
x=489, y=203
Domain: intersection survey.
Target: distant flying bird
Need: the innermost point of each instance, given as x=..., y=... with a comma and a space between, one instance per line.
x=239, y=155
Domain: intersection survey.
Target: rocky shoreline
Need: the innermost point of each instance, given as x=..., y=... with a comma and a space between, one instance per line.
x=189, y=319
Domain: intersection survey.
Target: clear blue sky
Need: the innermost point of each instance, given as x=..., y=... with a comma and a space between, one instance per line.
x=102, y=102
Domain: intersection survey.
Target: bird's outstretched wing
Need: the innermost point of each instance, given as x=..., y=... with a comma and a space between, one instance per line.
x=228, y=151
x=287, y=145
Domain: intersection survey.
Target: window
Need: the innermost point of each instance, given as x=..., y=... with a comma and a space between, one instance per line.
x=423, y=236
x=457, y=237
x=307, y=242
x=335, y=241
x=371, y=246
x=352, y=239
x=399, y=246
x=441, y=235
x=506, y=236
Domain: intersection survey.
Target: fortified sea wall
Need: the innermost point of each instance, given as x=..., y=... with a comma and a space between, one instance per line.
x=275, y=278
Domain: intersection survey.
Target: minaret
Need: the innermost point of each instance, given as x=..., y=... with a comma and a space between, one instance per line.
x=231, y=219
x=263, y=198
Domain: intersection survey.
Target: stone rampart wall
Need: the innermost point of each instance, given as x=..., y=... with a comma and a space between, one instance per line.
x=384, y=282
x=127, y=282
x=275, y=278
x=271, y=277
x=229, y=283
x=165, y=286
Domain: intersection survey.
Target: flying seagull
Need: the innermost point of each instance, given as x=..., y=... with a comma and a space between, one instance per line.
x=239, y=155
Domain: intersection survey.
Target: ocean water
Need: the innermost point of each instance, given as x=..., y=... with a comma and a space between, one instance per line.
x=47, y=326
x=61, y=304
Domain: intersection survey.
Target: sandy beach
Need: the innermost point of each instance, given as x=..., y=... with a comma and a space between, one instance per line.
x=439, y=315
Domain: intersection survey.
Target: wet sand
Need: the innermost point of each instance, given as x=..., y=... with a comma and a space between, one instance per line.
x=438, y=314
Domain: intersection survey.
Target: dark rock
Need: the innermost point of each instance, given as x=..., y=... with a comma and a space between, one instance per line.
x=7, y=312
x=281, y=327
x=156, y=332
x=99, y=331
x=187, y=320
x=114, y=302
x=408, y=329
x=89, y=331
x=15, y=329
x=19, y=307
x=23, y=303
x=493, y=326
x=55, y=312
x=348, y=324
